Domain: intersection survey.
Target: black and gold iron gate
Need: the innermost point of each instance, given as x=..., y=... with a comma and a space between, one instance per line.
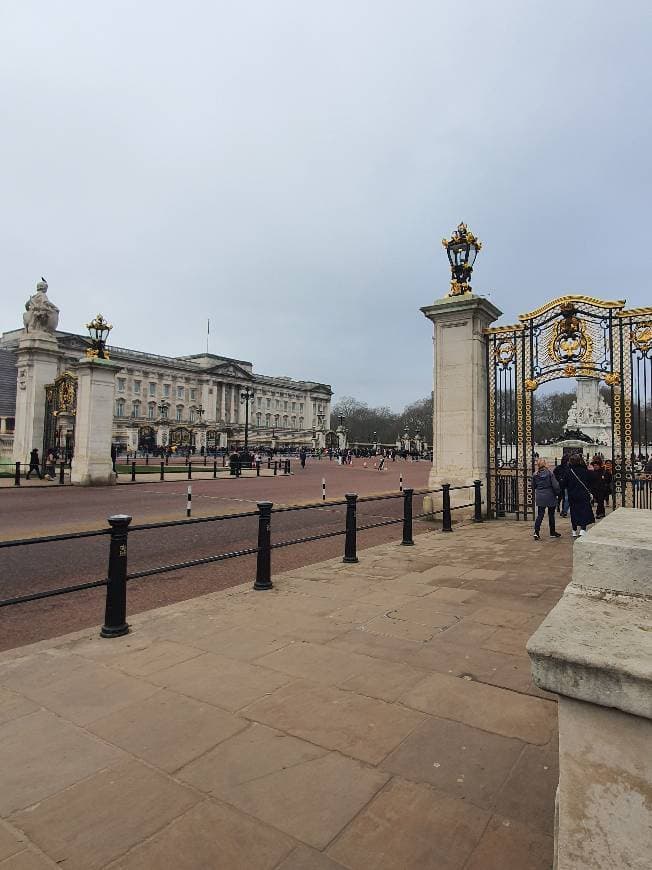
x=59, y=420
x=569, y=337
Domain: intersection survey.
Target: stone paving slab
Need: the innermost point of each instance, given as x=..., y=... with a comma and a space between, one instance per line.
x=376, y=715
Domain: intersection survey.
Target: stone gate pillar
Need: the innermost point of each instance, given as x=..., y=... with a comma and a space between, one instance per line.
x=37, y=365
x=460, y=389
x=91, y=464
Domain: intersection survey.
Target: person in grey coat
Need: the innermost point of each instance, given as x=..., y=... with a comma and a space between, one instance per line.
x=546, y=490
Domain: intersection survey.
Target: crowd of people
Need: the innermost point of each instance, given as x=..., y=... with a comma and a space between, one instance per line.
x=573, y=486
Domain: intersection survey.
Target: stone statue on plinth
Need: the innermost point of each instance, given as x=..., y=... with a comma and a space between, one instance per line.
x=40, y=315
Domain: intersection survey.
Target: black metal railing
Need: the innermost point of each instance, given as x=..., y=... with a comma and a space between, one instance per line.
x=18, y=470
x=120, y=528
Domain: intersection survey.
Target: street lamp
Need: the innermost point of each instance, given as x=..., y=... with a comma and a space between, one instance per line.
x=245, y=397
x=98, y=329
x=462, y=249
x=341, y=418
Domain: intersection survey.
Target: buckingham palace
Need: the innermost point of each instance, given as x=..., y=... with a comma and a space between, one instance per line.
x=197, y=401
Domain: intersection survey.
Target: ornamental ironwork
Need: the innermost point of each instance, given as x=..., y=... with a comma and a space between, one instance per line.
x=569, y=337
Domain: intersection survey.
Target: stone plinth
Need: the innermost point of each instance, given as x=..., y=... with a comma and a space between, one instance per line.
x=37, y=365
x=595, y=651
x=91, y=464
x=459, y=450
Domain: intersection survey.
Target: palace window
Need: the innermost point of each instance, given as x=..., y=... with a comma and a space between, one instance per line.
x=179, y=413
x=278, y=404
x=259, y=402
x=269, y=403
x=152, y=388
x=285, y=406
x=193, y=394
x=294, y=422
x=258, y=418
x=267, y=420
x=166, y=391
x=135, y=409
x=285, y=421
x=300, y=422
x=121, y=384
x=314, y=408
x=151, y=411
x=119, y=407
x=301, y=407
x=294, y=406
x=137, y=387
x=191, y=415
x=276, y=419
x=179, y=392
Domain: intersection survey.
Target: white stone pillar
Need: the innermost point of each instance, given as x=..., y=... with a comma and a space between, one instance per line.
x=222, y=414
x=37, y=365
x=460, y=388
x=234, y=412
x=594, y=650
x=91, y=464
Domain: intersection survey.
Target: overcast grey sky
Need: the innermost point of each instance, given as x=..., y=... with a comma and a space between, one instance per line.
x=289, y=169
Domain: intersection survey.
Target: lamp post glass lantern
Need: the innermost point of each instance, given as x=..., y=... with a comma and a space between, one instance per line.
x=462, y=248
x=98, y=329
x=245, y=397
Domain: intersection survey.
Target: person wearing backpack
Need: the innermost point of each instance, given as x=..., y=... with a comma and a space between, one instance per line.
x=546, y=489
x=580, y=485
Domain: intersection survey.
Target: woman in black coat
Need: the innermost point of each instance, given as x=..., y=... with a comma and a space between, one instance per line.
x=546, y=489
x=579, y=485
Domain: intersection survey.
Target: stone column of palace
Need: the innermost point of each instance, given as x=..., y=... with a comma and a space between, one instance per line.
x=91, y=464
x=234, y=411
x=222, y=412
x=37, y=365
x=460, y=392
x=594, y=650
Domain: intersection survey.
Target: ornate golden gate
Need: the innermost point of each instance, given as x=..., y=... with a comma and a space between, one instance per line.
x=572, y=336
x=59, y=416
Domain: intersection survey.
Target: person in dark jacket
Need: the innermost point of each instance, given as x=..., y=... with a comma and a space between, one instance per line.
x=601, y=485
x=34, y=464
x=546, y=487
x=579, y=483
x=560, y=472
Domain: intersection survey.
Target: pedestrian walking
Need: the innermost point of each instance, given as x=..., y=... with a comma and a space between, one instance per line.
x=601, y=485
x=546, y=487
x=579, y=483
x=34, y=464
x=302, y=457
x=560, y=472
x=381, y=464
x=51, y=464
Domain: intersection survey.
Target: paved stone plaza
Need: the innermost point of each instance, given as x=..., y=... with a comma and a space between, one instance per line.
x=372, y=715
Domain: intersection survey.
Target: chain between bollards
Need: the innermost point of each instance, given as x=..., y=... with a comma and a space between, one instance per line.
x=264, y=557
x=407, y=517
x=350, y=541
x=115, y=614
x=477, y=486
x=447, y=521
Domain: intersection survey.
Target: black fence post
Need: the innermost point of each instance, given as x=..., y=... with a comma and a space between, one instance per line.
x=264, y=556
x=477, y=486
x=407, y=517
x=133, y=471
x=223, y=460
x=447, y=521
x=238, y=468
x=258, y=468
x=147, y=459
x=189, y=469
x=350, y=541
x=162, y=470
x=115, y=614
x=204, y=459
x=62, y=470
x=17, y=475
x=275, y=468
x=215, y=469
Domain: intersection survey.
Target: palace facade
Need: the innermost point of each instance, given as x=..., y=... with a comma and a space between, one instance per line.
x=187, y=401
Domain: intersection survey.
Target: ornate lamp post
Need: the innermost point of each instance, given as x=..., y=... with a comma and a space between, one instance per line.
x=462, y=249
x=245, y=397
x=98, y=329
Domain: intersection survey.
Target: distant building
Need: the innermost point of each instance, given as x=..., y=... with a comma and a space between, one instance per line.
x=187, y=401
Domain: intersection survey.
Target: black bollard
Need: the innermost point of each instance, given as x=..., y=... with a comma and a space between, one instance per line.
x=133, y=471
x=477, y=486
x=264, y=556
x=407, y=517
x=115, y=614
x=189, y=470
x=258, y=469
x=350, y=540
x=62, y=466
x=162, y=471
x=147, y=459
x=17, y=475
x=214, y=469
x=447, y=522
x=275, y=467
